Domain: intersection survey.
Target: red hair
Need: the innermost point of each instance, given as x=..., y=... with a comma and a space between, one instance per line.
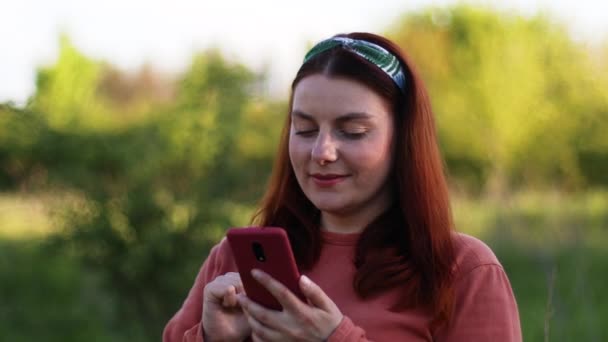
x=410, y=245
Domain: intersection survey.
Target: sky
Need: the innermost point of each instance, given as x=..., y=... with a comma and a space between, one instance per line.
x=258, y=33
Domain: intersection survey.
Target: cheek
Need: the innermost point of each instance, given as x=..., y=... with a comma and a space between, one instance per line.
x=374, y=158
x=297, y=152
x=372, y=164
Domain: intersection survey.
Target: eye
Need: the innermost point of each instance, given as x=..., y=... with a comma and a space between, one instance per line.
x=353, y=134
x=306, y=132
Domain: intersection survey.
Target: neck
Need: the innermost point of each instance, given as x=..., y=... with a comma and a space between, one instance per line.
x=353, y=221
x=340, y=224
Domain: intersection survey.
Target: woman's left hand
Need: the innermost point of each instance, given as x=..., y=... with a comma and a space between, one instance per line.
x=299, y=321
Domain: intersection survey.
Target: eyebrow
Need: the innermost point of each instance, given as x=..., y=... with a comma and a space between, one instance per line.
x=342, y=118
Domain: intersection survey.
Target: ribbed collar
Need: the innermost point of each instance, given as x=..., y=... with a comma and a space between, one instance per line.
x=340, y=239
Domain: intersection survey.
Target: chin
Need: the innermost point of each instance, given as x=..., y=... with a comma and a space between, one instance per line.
x=330, y=206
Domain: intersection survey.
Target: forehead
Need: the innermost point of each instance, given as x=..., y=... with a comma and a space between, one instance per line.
x=322, y=96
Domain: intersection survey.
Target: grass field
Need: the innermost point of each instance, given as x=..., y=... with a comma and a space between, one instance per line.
x=554, y=250
x=552, y=246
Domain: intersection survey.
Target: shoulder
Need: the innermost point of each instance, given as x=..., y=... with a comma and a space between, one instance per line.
x=484, y=306
x=470, y=254
x=220, y=259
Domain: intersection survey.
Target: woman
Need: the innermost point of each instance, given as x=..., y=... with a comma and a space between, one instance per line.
x=359, y=187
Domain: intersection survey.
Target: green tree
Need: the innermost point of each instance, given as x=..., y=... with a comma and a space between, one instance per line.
x=66, y=91
x=143, y=202
x=512, y=95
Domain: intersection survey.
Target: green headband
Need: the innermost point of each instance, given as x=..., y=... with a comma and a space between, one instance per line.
x=374, y=53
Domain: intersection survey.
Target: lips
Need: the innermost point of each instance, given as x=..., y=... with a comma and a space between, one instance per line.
x=328, y=179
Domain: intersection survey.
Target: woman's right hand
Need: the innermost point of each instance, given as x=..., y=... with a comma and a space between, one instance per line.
x=223, y=318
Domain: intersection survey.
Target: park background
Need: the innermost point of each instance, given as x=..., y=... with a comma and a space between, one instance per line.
x=116, y=181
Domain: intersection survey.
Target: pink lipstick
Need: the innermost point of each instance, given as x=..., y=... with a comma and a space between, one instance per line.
x=327, y=180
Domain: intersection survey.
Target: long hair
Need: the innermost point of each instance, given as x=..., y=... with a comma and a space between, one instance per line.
x=410, y=245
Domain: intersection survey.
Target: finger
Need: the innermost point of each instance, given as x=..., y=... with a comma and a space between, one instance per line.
x=256, y=338
x=229, y=300
x=261, y=332
x=315, y=295
x=270, y=318
x=219, y=287
x=284, y=296
x=235, y=279
x=215, y=292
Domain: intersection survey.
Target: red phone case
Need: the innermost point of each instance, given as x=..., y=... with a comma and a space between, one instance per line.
x=278, y=261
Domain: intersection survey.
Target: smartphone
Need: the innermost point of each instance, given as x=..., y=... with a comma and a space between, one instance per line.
x=267, y=249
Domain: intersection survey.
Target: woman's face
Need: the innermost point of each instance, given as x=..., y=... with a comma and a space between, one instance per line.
x=341, y=146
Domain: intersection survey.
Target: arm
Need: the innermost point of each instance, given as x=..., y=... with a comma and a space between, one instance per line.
x=484, y=308
x=186, y=324
x=347, y=331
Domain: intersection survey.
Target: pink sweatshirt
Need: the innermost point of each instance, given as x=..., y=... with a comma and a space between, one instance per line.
x=484, y=308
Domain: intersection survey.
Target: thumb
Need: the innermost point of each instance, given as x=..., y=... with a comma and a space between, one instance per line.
x=315, y=295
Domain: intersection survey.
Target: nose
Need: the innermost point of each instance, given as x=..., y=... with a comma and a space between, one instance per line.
x=324, y=150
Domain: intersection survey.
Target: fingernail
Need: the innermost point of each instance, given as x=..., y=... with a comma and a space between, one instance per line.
x=305, y=280
x=256, y=273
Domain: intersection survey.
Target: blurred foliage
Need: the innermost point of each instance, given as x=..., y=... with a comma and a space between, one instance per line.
x=48, y=297
x=137, y=174
x=141, y=203
x=518, y=102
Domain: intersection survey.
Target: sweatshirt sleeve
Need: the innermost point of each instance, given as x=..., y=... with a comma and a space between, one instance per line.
x=485, y=308
x=185, y=326
x=347, y=331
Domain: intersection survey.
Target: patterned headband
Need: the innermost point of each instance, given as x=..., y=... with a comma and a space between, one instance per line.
x=374, y=53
